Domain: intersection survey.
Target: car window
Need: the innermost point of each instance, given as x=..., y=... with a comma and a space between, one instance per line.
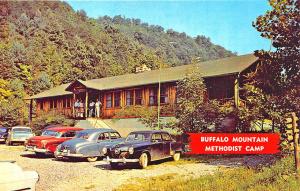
x=3, y=130
x=166, y=137
x=114, y=135
x=156, y=137
x=103, y=136
x=69, y=134
x=136, y=136
x=51, y=133
x=22, y=130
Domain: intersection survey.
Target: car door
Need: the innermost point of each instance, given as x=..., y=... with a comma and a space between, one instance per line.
x=167, y=141
x=156, y=147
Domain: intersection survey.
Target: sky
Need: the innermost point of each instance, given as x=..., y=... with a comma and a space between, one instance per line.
x=226, y=22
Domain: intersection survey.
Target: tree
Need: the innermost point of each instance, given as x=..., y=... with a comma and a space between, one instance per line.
x=195, y=113
x=278, y=74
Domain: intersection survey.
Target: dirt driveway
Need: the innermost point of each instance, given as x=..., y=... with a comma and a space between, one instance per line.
x=81, y=175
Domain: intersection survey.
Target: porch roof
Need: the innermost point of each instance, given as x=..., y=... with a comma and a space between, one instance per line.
x=213, y=68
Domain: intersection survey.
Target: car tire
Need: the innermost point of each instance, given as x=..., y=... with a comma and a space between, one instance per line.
x=92, y=159
x=39, y=155
x=114, y=165
x=176, y=156
x=143, y=160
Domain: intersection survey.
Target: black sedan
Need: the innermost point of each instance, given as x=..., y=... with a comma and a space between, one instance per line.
x=142, y=147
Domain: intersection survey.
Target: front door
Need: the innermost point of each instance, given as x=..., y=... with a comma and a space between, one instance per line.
x=167, y=140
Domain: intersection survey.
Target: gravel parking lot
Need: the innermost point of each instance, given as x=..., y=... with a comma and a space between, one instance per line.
x=81, y=175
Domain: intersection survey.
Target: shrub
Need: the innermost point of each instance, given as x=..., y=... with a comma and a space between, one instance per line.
x=50, y=118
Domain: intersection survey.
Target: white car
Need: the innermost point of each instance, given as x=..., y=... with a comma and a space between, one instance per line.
x=12, y=177
x=18, y=134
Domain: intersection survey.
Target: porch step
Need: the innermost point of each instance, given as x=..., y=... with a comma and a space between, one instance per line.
x=91, y=123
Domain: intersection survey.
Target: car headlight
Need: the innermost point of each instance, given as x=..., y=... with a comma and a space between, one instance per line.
x=104, y=150
x=131, y=150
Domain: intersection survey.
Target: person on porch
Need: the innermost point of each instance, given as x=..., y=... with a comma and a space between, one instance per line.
x=81, y=108
x=76, y=106
x=97, y=107
x=91, y=108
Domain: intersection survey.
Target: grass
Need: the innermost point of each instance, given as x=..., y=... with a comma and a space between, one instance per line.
x=279, y=176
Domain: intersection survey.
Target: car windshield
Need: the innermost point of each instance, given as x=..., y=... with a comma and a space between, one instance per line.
x=51, y=133
x=21, y=130
x=83, y=135
x=138, y=137
x=3, y=130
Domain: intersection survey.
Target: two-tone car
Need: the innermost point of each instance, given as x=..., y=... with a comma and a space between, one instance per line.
x=88, y=144
x=46, y=143
x=3, y=133
x=142, y=147
x=18, y=134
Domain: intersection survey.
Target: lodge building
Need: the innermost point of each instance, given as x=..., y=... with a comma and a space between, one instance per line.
x=223, y=78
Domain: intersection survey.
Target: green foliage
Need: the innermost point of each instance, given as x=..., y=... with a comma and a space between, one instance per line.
x=277, y=177
x=195, y=113
x=278, y=74
x=50, y=118
x=47, y=43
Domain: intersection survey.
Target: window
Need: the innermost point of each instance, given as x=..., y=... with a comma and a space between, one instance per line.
x=69, y=101
x=129, y=97
x=117, y=99
x=69, y=134
x=65, y=102
x=114, y=135
x=54, y=103
x=152, y=96
x=163, y=95
x=109, y=100
x=103, y=136
x=41, y=105
x=138, y=97
x=156, y=137
x=166, y=137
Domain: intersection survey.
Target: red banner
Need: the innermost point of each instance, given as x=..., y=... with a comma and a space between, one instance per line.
x=234, y=143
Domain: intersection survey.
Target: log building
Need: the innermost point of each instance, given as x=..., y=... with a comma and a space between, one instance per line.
x=223, y=78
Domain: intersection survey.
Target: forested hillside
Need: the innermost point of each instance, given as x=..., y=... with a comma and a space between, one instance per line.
x=44, y=44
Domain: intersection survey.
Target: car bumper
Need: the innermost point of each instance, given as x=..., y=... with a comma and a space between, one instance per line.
x=23, y=140
x=121, y=160
x=59, y=154
x=34, y=149
x=2, y=139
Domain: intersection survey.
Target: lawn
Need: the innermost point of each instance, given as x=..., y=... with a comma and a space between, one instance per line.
x=279, y=176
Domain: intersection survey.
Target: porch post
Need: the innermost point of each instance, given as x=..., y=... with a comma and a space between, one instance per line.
x=86, y=103
x=73, y=105
x=236, y=92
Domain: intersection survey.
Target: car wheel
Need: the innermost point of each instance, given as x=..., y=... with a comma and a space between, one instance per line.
x=92, y=159
x=114, y=165
x=176, y=156
x=143, y=160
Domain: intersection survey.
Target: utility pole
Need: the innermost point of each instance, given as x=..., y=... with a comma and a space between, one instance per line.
x=158, y=97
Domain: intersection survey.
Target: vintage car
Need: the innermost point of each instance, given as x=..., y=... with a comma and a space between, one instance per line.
x=18, y=134
x=50, y=138
x=12, y=177
x=141, y=147
x=88, y=144
x=3, y=133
